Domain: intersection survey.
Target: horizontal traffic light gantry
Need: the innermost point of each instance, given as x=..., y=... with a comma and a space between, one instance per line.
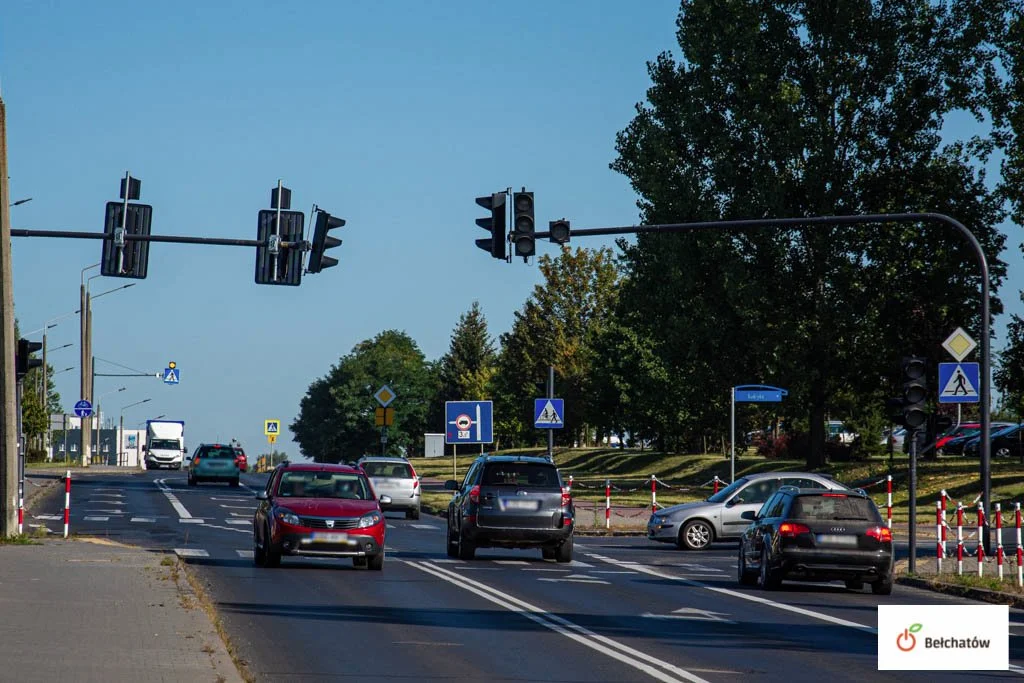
x=496, y=224
x=322, y=241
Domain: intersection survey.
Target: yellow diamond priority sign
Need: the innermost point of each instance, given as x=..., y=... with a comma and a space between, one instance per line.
x=385, y=396
x=959, y=344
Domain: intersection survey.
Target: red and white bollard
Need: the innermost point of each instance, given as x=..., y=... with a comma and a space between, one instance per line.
x=21, y=508
x=716, y=483
x=943, y=529
x=570, y=482
x=67, y=501
x=999, y=540
x=938, y=537
x=960, y=539
x=654, y=495
x=981, y=535
x=607, y=504
x=888, y=502
x=1020, y=550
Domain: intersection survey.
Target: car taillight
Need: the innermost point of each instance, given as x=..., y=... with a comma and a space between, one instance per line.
x=474, y=495
x=880, y=533
x=566, y=497
x=195, y=460
x=415, y=483
x=833, y=495
x=792, y=529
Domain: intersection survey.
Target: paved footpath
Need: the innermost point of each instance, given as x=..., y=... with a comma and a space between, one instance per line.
x=86, y=611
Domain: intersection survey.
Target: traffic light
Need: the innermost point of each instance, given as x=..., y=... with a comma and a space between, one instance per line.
x=322, y=241
x=121, y=257
x=915, y=390
x=559, y=231
x=523, y=223
x=496, y=224
x=288, y=259
x=894, y=411
x=22, y=361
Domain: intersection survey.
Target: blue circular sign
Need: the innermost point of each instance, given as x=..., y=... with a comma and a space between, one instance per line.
x=83, y=408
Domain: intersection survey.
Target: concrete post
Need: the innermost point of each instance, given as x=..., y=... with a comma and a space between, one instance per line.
x=8, y=400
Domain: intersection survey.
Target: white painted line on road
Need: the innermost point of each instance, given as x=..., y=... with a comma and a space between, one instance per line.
x=1019, y=670
x=51, y=518
x=227, y=528
x=424, y=526
x=191, y=520
x=577, y=563
x=477, y=567
x=445, y=561
x=144, y=520
x=238, y=522
x=743, y=596
x=576, y=578
x=511, y=562
x=108, y=512
x=244, y=553
x=250, y=508
x=175, y=503
x=191, y=552
x=669, y=673
x=243, y=514
x=233, y=499
x=532, y=569
x=96, y=519
x=604, y=571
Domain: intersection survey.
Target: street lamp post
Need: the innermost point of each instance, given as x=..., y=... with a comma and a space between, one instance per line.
x=120, y=431
x=99, y=421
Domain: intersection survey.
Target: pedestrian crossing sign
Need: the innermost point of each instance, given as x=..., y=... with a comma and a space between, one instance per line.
x=272, y=427
x=548, y=413
x=959, y=382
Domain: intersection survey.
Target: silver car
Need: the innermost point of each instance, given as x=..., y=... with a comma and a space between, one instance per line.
x=396, y=478
x=694, y=526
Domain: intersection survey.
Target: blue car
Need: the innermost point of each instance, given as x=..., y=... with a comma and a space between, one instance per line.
x=1006, y=442
x=213, y=462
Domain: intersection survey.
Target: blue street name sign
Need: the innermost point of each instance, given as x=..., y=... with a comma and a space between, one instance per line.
x=758, y=393
x=468, y=422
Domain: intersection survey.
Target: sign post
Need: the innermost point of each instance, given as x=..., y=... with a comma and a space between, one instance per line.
x=385, y=415
x=469, y=422
x=749, y=393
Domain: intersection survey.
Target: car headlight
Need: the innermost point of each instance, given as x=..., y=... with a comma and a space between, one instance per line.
x=655, y=519
x=288, y=517
x=370, y=518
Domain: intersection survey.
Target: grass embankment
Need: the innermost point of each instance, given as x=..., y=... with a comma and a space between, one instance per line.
x=631, y=469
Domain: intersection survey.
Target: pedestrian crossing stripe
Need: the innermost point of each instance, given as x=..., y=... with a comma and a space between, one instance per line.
x=959, y=384
x=548, y=415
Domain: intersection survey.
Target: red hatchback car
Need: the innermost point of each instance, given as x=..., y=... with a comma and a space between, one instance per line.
x=241, y=460
x=321, y=511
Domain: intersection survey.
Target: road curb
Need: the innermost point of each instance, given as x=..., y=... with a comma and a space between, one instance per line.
x=980, y=594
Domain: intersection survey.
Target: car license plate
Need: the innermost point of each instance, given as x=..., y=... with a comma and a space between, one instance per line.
x=328, y=537
x=837, y=540
x=514, y=504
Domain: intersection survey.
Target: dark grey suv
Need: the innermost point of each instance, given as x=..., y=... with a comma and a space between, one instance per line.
x=511, y=502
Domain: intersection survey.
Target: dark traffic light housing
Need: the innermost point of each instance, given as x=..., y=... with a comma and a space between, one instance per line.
x=122, y=257
x=288, y=259
x=496, y=224
x=23, y=362
x=915, y=391
x=559, y=231
x=523, y=223
x=322, y=241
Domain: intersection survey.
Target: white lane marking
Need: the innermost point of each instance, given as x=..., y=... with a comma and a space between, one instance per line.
x=1019, y=670
x=607, y=646
x=691, y=613
x=238, y=507
x=603, y=571
x=238, y=522
x=144, y=520
x=191, y=552
x=234, y=499
x=244, y=553
x=511, y=562
x=242, y=514
x=109, y=512
x=227, y=528
x=476, y=567
x=424, y=526
x=51, y=518
x=743, y=596
x=531, y=569
x=192, y=520
x=577, y=563
x=96, y=519
x=175, y=503
x=445, y=561
x=575, y=578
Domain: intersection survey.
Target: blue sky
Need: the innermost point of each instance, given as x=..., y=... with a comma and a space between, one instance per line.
x=393, y=116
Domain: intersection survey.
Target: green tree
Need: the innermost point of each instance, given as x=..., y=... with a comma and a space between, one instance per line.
x=557, y=326
x=466, y=370
x=1009, y=375
x=794, y=109
x=336, y=416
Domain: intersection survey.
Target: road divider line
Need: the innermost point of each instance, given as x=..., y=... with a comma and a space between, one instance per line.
x=175, y=503
x=606, y=646
x=743, y=596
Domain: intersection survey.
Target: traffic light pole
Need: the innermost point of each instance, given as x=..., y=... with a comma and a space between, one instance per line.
x=551, y=394
x=984, y=392
x=912, y=534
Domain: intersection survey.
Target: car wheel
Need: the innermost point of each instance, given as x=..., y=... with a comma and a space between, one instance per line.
x=376, y=562
x=467, y=551
x=1002, y=452
x=745, y=576
x=358, y=561
x=453, y=543
x=547, y=553
x=191, y=480
x=882, y=586
x=271, y=555
x=564, y=552
x=257, y=550
x=695, y=535
x=177, y=467
x=855, y=584
x=233, y=483
x=767, y=579
x=412, y=514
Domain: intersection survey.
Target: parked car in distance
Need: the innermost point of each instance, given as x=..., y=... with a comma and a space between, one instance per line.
x=241, y=460
x=1006, y=442
x=694, y=526
x=319, y=511
x=511, y=502
x=817, y=535
x=396, y=478
x=213, y=462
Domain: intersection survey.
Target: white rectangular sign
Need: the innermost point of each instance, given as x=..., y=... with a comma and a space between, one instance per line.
x=943, y=637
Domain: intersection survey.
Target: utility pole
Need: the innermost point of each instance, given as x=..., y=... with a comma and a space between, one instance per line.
x=8, y=407
x=551, y=394
x=83, y=363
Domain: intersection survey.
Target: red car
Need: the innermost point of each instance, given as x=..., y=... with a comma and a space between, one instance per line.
x=321, y=511
x=241, y=460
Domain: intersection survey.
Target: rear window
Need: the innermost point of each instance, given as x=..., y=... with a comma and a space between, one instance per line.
x=528, y=474
x=218, y=453
x=833, y=506
x=399, y=470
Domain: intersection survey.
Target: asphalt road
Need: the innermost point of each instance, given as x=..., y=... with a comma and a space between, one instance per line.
x=626, y=609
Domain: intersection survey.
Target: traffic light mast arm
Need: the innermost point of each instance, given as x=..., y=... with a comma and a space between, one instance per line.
x=179, y=239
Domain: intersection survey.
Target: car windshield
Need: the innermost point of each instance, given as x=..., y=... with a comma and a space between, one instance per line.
x=164, y=445
x=300, y=484
x=525, y=474
x=398, y=470
x=834, y=506
x=217, y=453
x=725, y=493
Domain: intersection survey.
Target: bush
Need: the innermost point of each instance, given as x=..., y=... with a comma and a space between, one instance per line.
x=35, y=455
x=775, y=449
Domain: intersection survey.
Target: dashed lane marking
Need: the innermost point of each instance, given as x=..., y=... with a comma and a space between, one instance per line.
x=511, y=562
x=238, y=522
x=191, y=552
x=424, y=526
x=96, y=519
x=192, y=520
x=244, y=553
x=175, y=503
x=144, y=520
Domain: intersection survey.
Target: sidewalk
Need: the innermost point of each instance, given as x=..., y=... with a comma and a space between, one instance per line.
x=87, y=611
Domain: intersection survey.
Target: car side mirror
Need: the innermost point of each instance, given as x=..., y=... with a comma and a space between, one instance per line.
x=262, y=495
x=451, y=485
x=385, y=500
x=188, y=458
x=749, y=515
